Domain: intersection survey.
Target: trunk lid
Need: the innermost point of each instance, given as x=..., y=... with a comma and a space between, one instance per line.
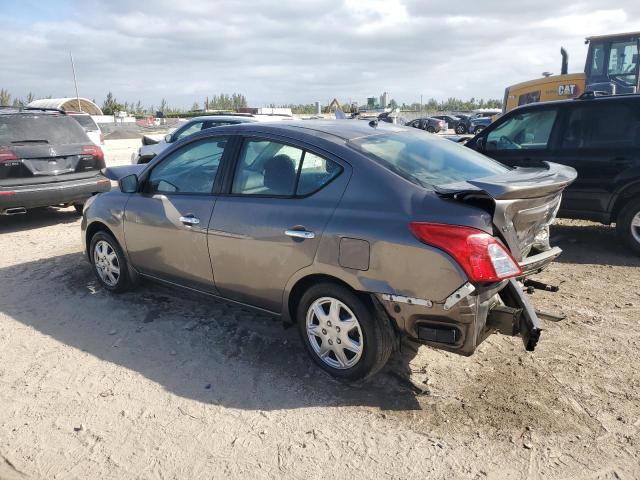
x=523, y=202
x=42, y=160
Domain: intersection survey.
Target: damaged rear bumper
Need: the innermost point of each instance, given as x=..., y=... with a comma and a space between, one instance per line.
x=461, y=326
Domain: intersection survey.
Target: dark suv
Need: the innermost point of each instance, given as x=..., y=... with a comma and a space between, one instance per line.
x=599, y=136
x=46, y=159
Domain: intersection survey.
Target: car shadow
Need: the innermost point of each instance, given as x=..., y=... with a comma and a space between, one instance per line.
x=37, y=218
x=192, y=345
x=592, y=244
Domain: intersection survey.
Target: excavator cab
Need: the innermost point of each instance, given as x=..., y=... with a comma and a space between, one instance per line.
x=612, y=63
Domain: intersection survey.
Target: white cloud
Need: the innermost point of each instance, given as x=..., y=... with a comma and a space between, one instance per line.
x=298, y=51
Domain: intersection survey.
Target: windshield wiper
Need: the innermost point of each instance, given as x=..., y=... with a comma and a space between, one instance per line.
x=30, y=141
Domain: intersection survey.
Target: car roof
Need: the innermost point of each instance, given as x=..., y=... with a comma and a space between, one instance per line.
x=343, y=129
x=30, y=111
x=248, y=117
x=584, y=100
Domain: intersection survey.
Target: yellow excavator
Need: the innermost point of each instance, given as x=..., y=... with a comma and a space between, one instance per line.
x=611, y=67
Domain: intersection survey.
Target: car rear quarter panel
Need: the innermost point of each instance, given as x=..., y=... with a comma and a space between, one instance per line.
x=376, y=209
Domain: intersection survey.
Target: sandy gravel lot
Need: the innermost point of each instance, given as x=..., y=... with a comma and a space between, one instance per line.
x=163, y=384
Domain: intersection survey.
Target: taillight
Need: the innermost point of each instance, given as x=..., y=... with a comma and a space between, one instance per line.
x=7, y=155
x=93, y=150
x=481, y=256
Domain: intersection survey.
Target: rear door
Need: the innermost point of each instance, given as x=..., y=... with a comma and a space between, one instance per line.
x=166, y=222
x=601, y=140
x=269, y=224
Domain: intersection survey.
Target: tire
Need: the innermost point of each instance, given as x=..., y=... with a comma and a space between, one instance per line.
x=461, y=130
x=477, y=130
x=373, y=333
x=628, y=225
x=105, y=271
x=79, y=208
x=431, y=130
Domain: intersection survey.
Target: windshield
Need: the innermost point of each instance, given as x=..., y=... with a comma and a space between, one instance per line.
x=51, y=129
x=424, y=160
x=623, y=61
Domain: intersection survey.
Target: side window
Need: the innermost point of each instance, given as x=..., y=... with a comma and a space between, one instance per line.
x=597, y=59
x=315, y=173
x=527, y=130
x=267, y=168
x=191, y=169
x=531, y=97
x=602, y=126
x=191, y=129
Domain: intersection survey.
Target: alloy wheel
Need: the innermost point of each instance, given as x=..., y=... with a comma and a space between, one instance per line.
x=334, y=333
x=106, y=263
x=635, y=227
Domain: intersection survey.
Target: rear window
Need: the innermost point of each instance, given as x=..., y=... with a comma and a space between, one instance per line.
x=426, y=161
x=51, y=129
x=85, y=122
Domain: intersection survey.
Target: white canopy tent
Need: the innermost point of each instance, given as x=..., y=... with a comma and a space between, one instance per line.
x=69, y=104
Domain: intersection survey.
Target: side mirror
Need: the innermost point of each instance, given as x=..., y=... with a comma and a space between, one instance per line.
x=129, y=184
x=167, y=138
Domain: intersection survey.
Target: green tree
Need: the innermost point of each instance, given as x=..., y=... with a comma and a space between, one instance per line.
x=110, y=106
x=5, y=98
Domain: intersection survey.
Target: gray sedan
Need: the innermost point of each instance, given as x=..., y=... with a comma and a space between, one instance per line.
x=356, y=233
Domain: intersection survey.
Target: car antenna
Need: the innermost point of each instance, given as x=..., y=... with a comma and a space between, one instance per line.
x=373, y=123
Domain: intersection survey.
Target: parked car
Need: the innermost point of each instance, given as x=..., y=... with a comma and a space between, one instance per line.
x=476, y=125
x=283, y=218
x=90, y=127
x=451, y=121
x=465, y=125
x=149, y=150
x=431, y=125
x=461, y=127
x=46, y=158
x=598, y=136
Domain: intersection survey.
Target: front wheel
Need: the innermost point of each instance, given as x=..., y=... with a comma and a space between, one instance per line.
x=431, y=129
x=460, y=130
x=109, y=263
x=343, y=335
x=628, y=224
x=478, y=130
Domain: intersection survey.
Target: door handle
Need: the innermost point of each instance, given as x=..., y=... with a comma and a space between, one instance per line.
x=300, y=234
x=190, y=220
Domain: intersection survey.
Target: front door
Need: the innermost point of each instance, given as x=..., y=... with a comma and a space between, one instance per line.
x=523, y=139
x=600, y=140
x=165, y=223
x=270, y=224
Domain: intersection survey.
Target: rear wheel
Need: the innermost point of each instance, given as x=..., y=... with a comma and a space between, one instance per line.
x=460, y=129
x=343, y=335
x=109, y=263
x=628, y=224
x=78, y=207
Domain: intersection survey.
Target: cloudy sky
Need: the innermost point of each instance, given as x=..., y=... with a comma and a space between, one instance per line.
x=295, y=51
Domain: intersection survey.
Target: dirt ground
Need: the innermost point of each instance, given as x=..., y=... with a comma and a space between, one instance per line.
x=162, y=384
